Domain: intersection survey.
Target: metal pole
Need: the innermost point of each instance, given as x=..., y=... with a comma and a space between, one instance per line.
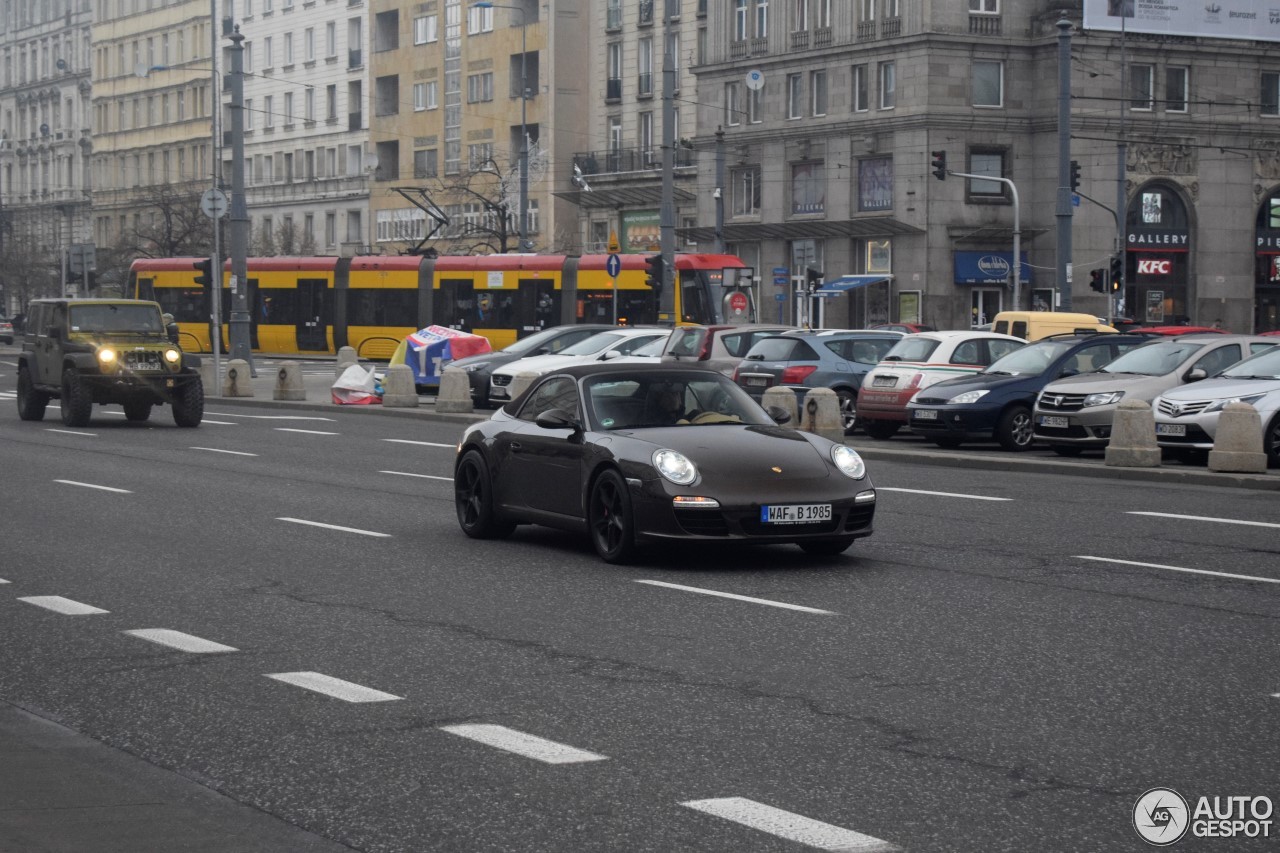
x=239, y=212
x=525, y=243
x=1064, y=164
x=720, y=190
x=215, y=267
x=1122, y=209
x=1015, y=271
x=667, y=211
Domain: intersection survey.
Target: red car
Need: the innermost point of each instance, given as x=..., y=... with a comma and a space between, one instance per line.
x=1275, y=332
x=908, y=328
x=1177, y=330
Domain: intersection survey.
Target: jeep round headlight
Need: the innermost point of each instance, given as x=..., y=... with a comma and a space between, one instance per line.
x=675, y=466
x=172, y=356
x=107, y=357
x=848, y=461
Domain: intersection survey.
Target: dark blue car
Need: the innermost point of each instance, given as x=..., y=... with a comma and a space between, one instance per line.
x=997, y=402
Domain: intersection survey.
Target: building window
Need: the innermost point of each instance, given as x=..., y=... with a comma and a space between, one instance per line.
x=309, y=104
x=644, y=64
x=479, y=87
x=1177, y=89
x=1141, y=87
x=888, y=86
x=808, y=188
x=755, y=113
x=419, y=96
x=268, y=119
x=248, y=113
x=818, y=87
x=331, y=229
x=986, y=162
x=984, y=7
x=800, y=15
x=646, y=140
x=745, y=189
x=480, y=156
x=988, y=83
x=424, y=163
x=861, y=102
x=424, y=29
x=288, y=48
x=288, y=108
x=740, y=32
x=731, y=108
x=1270, y=93
x=479, y=20
x=795, y=96
x=309, y=45
x=868, y=10
x=762, y=19
x=889, y=8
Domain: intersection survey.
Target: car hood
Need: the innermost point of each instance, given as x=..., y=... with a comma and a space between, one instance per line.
x=541, y=363
x=949, y=388
x=1133, y=384
x=732, y=451
x=486, y=359
x=1216, y=389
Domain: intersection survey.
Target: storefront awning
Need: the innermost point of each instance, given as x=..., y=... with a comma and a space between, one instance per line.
x=849, y=282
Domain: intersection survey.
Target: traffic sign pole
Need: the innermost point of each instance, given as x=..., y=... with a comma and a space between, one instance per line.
x=613, y=266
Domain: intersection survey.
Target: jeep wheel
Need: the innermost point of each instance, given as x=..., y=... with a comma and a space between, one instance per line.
x=31, y=403
x=77, y=402
x=188, y=403
x=138, y=411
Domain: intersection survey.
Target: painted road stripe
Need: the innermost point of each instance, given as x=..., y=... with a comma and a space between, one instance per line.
x=336, y=527
x=791, y=826
x=739, y=597
x=71, y=432
x=178, y=640
x=307, y=431
x=2, y=580
x=219, y=450
x=1181, y=569
x=219, y=423
x=58, y=604
x=92, y=486
x=424, y=476
x=530, y=746
x=330, y=686
x=419, y=443
x=941, y=494
x=1207, y=518
x=271, y=417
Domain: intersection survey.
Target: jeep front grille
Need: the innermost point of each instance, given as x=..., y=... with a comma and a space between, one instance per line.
x=148, y=361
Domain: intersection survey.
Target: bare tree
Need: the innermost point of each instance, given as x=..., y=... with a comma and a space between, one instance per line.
x=173, y=225
x=27, y=269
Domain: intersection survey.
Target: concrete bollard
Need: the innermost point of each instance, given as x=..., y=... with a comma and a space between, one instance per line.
x=1237, y=444
x=239, y=379
x=346, y=358
x=820, y=414
x=782, y=398
x=455, y=391
x=289, y=383
x=208, y=378
x=398, y=390
x=521, y=383
x=1133, y=437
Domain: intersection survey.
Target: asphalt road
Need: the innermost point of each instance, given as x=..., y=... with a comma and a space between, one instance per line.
x=1007, y=664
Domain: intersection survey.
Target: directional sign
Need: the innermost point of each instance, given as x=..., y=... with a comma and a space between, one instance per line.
x=214, y=203
x=780, y=297
x=613, y=266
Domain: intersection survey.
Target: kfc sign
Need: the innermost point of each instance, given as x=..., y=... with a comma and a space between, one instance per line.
x=1156, y=267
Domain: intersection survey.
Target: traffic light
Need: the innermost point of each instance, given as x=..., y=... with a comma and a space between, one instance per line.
x=656, y=272
x=1075, y=175
x=204, y=277
x=1117, y=273
x=1095, y=281
x=940, y=165
x=812, y=279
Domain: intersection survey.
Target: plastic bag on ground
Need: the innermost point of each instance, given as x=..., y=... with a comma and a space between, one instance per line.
x=356, y=386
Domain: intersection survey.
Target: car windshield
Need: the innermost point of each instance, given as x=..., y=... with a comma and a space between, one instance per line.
x=594, y=344
x=1154, y=359
x=1030, y=360
x=144, y=319
x=627, y=401
x=653, y=348
x=531, y=343
x=912, y=349
x=687, y=341
x=1264, y=365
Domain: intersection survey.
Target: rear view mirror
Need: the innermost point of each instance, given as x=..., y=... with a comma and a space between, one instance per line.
x=557, y=419
x=778, y=414
x=1197, y=374
x=611, y=354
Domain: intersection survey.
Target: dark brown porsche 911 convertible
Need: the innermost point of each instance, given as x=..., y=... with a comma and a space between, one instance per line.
x=636, y=453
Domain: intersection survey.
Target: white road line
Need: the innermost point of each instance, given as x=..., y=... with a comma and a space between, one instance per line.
x=941, y=494
x=330, y=686
x=219, y=450
x=71, y=432
x=1181, y=569
x=92, y=486
x=419, y=443
x=1207, y=518
x=66, y=606
x=2, y=580
x=425, y=476
x=791, y=826
x=336, y=527
x=307, y=431
x=178, y=640
x=218, y=423
x=530, y=746
x=271, y=417
x=739, y=597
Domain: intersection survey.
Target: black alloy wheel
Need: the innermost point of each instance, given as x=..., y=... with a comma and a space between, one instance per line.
x=1015, y=430
x=848, y=409
x=1271, y=442
x=77, y=402
x=473, y=499
x=31, y=403
x=609, y=518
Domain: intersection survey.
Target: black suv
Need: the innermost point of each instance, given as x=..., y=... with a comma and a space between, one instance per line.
x=86, y=351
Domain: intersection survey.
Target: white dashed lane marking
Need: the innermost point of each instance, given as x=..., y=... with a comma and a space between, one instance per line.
x=941, y=494
x=71, y=432
x=335, y=527
x=219, y=450
x=791, y=826
x=65, y=606
x=1180, y=569
x=530, y=746
x=745, y=598
x=94, y=486
x=178, y=640
x=1207, y=518
x=2, y=580
x=330, y=686
x=420, y=443
x=306, y=431
x=424, y=476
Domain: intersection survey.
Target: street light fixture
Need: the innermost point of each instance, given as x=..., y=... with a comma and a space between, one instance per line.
x=525, y=243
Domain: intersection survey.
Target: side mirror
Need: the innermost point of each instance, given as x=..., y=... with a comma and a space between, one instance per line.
x=611, y=354
x=557, y=419
x=172, y=331
x=542, y=351
x=1197, y=374
x=780, y=415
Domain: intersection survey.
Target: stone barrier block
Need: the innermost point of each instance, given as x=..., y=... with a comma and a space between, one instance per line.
x=398, y=390
x=783, y=398
x=521, y=383
x=1237, y=443
x=289, y=382
x=1133, y=437
x=346, y=358
x=455, y=391
x=208, y=378
x=238, y=381
x=820, y=414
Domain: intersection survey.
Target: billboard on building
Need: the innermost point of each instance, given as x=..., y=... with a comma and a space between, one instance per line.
x=1227, y=19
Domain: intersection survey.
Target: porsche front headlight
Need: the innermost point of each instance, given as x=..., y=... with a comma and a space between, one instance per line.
x=675, y=466
x=848, y=461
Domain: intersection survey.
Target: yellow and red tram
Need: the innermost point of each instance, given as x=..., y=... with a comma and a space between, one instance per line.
x=319, y=304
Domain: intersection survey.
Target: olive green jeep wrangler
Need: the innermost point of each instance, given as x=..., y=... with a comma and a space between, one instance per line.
x=86, y=351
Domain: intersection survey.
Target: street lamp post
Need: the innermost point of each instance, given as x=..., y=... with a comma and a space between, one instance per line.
x=525, y=243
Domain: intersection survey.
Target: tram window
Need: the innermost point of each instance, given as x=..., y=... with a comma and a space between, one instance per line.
x=694, y=305
x=538, y=305
x=382, y=307
x=146, y=288
x=455, y=305
x=277, y=306
x=186, y=306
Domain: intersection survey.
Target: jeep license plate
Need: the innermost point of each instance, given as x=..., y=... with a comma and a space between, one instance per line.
x=795, y=513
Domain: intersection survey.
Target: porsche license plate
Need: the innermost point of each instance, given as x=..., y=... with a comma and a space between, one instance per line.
x=794, y=513
x=1171, y=429
x=1053, y=421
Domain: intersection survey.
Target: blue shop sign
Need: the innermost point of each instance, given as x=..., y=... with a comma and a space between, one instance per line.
x=988, y=267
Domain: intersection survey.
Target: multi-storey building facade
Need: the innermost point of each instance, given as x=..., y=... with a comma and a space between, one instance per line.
x=829, y=160
x=308, y=163
x=44, y=142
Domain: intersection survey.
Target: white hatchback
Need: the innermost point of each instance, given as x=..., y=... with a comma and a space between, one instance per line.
x=605, y=346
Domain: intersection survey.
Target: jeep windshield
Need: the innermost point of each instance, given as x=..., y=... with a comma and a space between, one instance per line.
x=116, y=319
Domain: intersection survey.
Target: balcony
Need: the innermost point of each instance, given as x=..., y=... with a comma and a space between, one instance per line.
x=739, y=49
x=644, y=85
x=613, y=89
x=890, y=28
x=984, y=25
x=800, y=40
x=866, y=30
x=822, y=37
x=629, y=160
x=759, y=46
